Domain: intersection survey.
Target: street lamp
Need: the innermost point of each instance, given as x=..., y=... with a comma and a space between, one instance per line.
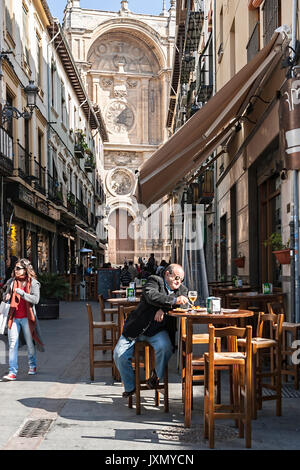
x=9, y=112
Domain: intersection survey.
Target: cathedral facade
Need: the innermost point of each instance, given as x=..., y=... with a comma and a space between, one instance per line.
x=125, y=60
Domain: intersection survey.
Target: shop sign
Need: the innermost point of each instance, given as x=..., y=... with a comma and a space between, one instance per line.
x=42, y=206
x=289, y=123
x=26, y=196
x=54, y=213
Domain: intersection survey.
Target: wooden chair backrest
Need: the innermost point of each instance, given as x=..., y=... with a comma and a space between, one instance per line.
x=275, y=307
x=90, y=315
x=272, y=319
x=101, y=301
x=233, y=333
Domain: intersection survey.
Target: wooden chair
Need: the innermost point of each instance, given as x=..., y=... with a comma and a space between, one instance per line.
x=106, y=311
x=197, y=361
x=271, y=344
x=290, y=333
x=241, y=364
x=109, y=345
x=144, y=355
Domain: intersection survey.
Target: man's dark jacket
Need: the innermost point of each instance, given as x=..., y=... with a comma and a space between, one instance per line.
x=155, y=296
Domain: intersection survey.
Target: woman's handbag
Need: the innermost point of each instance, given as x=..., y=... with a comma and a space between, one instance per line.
x=4, y=310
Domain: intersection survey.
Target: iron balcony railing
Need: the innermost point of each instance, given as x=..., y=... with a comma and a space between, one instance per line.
x=40, y=173
x=6, y=151
x=23, y=163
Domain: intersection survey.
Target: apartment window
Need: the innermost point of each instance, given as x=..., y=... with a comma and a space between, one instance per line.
x=221, y=45
x=271, y=18
x=53, y=70
x=9, y=123
x=232, y=49
x=25, y=38
x=63, y=107
x=9, y=17
x=39, y=56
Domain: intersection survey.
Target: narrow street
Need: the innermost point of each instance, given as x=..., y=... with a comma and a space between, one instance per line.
x=60, y=409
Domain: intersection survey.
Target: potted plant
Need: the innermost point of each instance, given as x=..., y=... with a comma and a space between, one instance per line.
x=80, y=144
x=54, y=288
x=239, y=261
x=281, y=250
x=89, y=164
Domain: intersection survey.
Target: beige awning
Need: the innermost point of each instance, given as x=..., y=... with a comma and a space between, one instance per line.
x=204, y=131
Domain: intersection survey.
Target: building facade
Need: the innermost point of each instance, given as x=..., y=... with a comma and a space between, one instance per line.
x=49, y=194
x=125, y=60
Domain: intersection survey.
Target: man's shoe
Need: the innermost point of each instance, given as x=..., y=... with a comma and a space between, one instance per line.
x=32, y=371
x=128, y=394
x=153, y=382
x=9, y=377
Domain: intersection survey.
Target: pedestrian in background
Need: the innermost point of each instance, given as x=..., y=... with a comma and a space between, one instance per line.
x=125, y=276
x=23, y=291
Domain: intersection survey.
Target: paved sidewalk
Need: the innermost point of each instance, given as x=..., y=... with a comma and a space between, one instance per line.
x=78, y=414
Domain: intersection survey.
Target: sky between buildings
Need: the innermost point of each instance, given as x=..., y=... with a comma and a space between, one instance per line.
x=151, y=7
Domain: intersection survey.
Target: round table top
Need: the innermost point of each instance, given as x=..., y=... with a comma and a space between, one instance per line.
x=203, y=315
x=123, y=301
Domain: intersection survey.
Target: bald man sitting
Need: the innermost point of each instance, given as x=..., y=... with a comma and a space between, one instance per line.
x=150, y=322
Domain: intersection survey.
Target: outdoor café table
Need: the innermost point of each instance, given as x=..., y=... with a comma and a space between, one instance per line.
x=246, y=299
x=192, y=318
x=223, y=291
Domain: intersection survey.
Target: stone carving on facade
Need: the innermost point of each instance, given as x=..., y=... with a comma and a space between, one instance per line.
x=106, y=82
x=110, y=50
x=120, y=182
x=119, y=117
x=128, y=159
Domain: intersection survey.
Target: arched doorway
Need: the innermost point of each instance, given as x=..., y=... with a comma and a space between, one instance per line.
x=121, y=244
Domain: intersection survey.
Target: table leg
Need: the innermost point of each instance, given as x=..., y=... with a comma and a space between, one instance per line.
x=188, y=374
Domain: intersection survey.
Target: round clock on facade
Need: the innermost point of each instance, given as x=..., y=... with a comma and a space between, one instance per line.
x=119, y=117
x=120, y=182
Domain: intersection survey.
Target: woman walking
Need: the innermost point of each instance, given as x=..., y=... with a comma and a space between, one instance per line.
x=23, y=291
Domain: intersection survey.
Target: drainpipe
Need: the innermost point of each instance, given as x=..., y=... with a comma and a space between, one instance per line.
x=295, y=195
x=215, y=204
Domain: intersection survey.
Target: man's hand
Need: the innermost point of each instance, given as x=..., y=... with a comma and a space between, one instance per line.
x=181, y=300
x=159, y=316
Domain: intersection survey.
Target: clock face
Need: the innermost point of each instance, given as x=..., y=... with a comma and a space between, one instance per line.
x=119, y=117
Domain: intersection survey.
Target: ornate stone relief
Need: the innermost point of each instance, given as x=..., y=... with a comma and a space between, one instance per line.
x=109, y=51
x=128, y=159
x=120, y=182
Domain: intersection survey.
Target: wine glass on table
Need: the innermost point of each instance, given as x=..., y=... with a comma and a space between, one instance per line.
x=192, y=296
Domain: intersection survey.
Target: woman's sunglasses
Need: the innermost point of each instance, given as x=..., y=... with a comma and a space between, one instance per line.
x=18, y=268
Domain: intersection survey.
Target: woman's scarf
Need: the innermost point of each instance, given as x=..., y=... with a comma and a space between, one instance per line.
x=14, y=302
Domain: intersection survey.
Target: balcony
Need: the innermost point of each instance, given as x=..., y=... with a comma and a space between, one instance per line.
x=71, y=202
x=206, y=187
x=55, y=192
x=6, y=152
x=40, y=173
x=81, y=211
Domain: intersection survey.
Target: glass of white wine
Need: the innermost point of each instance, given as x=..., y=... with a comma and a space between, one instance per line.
x=192, y=295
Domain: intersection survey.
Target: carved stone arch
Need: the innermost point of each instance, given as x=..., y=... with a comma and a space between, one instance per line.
x=136, y=29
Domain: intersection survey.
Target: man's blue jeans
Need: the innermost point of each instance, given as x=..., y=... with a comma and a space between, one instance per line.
x=123, y=353
x=13, y=341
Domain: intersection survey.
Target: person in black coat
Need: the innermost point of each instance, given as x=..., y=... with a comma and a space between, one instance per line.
x=150, y=322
